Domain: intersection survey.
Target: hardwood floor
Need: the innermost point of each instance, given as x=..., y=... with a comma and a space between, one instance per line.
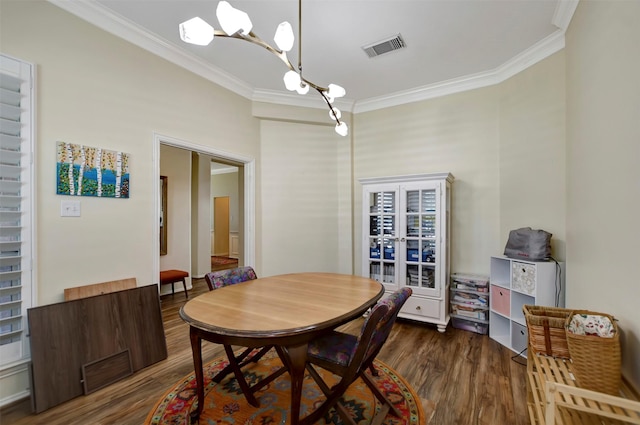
x=462, y=378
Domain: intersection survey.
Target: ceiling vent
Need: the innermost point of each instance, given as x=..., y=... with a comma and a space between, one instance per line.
x=385, y=46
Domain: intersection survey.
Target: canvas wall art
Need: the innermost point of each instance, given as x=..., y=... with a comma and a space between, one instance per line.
x=87, y=171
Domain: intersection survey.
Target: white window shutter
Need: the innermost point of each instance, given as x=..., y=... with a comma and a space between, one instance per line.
x=16, y=206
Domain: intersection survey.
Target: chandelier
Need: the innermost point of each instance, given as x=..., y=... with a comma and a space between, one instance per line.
x=236, y=24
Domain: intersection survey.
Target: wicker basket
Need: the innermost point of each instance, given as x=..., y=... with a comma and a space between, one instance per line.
x=546, y=329
x=596, y=360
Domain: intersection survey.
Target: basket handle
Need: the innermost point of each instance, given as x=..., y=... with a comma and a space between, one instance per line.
x=547, y=336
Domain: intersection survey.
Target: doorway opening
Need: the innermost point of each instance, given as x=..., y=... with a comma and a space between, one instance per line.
x=246, y=195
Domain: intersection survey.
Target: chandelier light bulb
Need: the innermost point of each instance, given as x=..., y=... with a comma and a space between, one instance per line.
x=196, y=31
x=336, y=91
x=335, y=114
x=233, y=20
x=342, y=129
x=302, y=88
x=284, y=36
x=292, y=80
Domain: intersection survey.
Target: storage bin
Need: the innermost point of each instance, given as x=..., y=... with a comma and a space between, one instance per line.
x=428, y=256
x=518, y=337
x=374, y=253
x=501, y=300
x=389, y=254
x=524, y=277
x=478, y=313
x=474, y=299
x=412, y=254
x=546, y=328
x=470, y=325
x=470, y=282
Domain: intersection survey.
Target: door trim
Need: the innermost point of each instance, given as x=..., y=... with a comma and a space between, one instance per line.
x=249, y=165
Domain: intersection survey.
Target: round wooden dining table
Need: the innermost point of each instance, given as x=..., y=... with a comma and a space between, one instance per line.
x=286, y=311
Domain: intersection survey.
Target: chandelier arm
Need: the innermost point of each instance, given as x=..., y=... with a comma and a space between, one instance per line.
x=254, y=39
x=300, y=38
x=333, y=112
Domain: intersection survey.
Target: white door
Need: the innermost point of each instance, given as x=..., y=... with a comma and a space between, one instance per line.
x=420, y=254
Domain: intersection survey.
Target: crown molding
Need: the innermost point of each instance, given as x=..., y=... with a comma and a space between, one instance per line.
x=115, y=24
x=520, y=62
x=103, y=18
x=563, y=13
x=290, y=99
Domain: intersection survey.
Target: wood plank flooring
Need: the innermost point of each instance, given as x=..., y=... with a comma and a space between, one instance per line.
x=461, y=377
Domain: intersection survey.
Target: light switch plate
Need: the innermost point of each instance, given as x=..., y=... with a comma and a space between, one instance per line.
x=70, y=209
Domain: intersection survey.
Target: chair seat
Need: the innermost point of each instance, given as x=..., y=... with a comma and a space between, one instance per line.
x=170, y=276
x=336, y=347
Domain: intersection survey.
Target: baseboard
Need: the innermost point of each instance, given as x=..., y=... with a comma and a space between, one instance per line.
x=15, y=382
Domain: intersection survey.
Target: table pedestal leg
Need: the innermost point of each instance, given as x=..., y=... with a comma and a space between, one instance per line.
x=297, y=360
x=196, y=348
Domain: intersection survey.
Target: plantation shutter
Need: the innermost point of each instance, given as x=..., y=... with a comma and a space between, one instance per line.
x=16, y=206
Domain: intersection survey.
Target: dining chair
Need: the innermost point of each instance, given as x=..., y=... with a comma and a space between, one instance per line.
x=349, y=356
x=220, y=279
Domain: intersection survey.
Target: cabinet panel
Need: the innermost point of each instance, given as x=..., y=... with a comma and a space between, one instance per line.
x=405, y=233
x=422, y=307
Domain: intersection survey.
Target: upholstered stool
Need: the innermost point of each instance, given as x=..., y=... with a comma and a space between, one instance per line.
x=173, y=276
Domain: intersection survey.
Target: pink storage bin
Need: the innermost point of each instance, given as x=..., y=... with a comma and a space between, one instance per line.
x=500, y=300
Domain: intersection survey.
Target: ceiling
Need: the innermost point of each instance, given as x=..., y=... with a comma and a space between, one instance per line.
x=451, y=45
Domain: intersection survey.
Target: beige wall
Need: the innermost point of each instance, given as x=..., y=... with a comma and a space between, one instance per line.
x=603, y=175
x=176, y=165
x=300, y=199
x=95, y=89
x=531, y=159
x=503, y=144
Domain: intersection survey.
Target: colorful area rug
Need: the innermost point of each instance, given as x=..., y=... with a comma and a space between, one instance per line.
x=225, y=403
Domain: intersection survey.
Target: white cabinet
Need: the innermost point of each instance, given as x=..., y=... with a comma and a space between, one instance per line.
x=405, y=231
x=515, y=283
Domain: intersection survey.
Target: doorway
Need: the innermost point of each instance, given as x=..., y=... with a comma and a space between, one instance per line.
x=246, y=197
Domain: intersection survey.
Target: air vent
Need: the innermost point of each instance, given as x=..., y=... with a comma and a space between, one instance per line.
x=385, y=46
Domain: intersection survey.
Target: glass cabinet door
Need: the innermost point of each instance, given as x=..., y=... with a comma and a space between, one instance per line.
x=382, y=237
x=419, y=219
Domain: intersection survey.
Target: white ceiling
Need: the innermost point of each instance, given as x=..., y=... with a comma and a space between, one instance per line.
x=452, y=45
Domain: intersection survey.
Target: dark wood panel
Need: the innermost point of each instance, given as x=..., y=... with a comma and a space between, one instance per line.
x=67, y=335
x=100, y=373
x=56, y=354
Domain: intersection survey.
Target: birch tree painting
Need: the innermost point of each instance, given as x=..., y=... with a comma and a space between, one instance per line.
x=87, y=171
